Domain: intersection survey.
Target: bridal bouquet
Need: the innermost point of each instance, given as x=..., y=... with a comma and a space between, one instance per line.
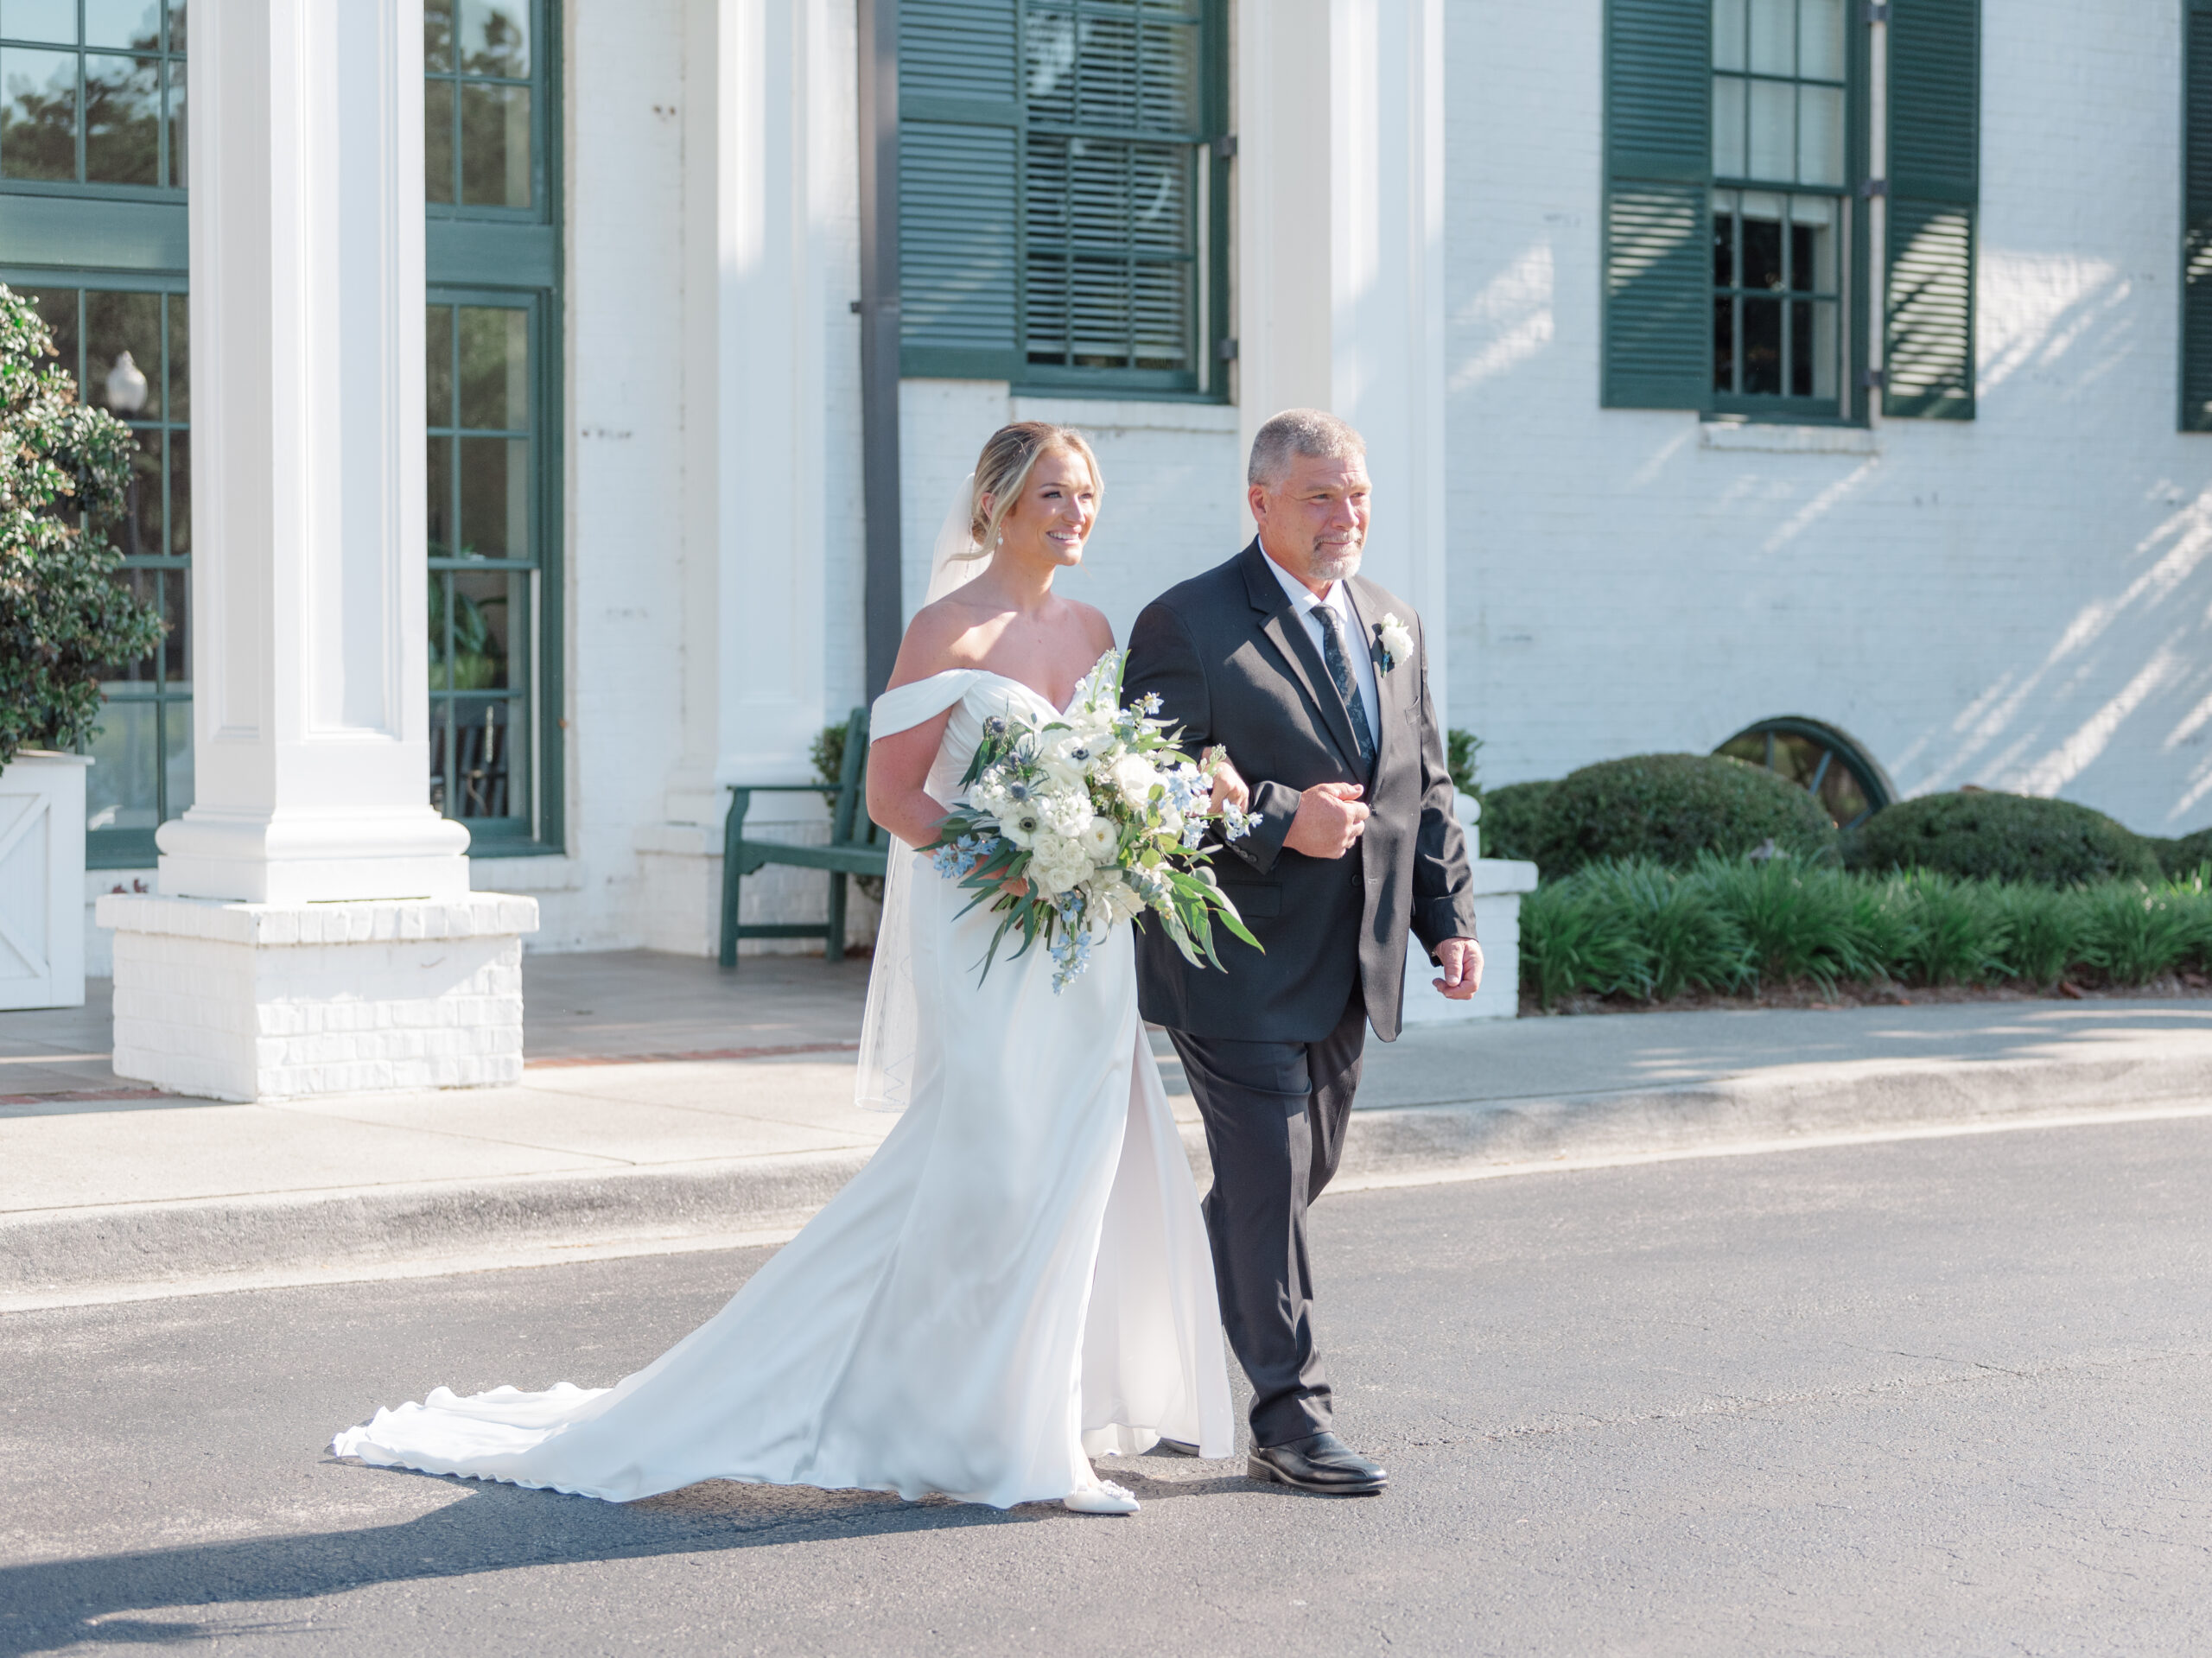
x=1100, y=813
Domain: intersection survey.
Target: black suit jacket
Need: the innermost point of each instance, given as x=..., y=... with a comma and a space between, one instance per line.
x=1234, y=664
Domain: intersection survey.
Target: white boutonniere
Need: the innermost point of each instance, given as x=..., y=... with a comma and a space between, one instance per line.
x=1393, y=643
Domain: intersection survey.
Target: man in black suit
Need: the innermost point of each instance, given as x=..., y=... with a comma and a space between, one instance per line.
x=1316, y=682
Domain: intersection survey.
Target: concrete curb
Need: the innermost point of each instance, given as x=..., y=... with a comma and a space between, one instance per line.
x=128, y=1252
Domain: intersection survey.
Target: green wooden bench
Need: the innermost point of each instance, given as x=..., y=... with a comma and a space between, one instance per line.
x=857, y=847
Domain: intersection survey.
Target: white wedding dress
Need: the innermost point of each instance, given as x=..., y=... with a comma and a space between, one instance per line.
x=1018, y=1279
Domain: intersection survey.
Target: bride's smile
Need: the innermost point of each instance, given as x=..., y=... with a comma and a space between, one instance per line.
x=1053, y=516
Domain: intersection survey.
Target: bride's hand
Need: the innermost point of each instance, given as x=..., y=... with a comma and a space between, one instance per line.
x=1017, y=887
x=1230, y=788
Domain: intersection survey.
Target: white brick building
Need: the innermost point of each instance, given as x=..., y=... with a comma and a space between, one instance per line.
x=648, y=548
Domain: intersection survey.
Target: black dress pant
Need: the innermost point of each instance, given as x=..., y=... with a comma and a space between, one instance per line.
x=1275, y=1117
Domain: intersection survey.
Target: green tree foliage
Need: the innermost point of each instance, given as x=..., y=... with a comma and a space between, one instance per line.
x=64, y=618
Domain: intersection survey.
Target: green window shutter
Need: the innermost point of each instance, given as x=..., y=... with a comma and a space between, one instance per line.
x=1935, y=143
x=958, y=173
x=2197, y=220
x=1658, y=292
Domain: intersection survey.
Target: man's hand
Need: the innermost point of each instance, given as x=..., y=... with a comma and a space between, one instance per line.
x=1462, y=962
x=1329, y=821
x=1230, y=788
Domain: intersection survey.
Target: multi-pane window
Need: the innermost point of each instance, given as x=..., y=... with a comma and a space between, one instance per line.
x=1062, y=205
x=1741, y=221
x=91, y=92
x=493, y=320
x=1780, y=210
x=479, y=105
x=128, y=351
x=92, y=232
x=1110, y=179
x=483, y=567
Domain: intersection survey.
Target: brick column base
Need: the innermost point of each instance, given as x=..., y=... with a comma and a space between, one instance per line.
x=260, y=1002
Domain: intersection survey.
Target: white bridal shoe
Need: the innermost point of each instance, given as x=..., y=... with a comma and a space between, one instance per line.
x=1105, y=1498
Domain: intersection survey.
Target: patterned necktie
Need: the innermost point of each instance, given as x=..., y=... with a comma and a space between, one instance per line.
x=1332, y=653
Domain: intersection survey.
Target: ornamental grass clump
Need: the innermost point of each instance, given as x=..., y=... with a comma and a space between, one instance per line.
x=1635, y=929
x=1800, y=920
x=1687, y=940
x=1574, y=940
x=2043, y=933
x=2133, y=933
x=64, y=618
x=1952, y=931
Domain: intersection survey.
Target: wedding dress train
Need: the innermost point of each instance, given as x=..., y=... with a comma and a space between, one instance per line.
x=1017, y=1281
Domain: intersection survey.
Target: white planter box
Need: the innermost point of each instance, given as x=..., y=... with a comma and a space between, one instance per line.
x=42, y=881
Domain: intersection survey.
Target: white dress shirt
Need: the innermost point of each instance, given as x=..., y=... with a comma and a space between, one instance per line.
x=1359, y=642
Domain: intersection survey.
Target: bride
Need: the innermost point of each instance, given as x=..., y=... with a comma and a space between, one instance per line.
x=1019, y=1279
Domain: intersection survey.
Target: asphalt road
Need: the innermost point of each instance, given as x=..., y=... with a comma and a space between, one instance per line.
x=1936, y=1397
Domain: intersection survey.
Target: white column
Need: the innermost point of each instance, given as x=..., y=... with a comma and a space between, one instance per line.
x=781, y=110
x=1339, y=255
x=769, y=158
x=1340, y=306
x=311, y=712
x=314, y=928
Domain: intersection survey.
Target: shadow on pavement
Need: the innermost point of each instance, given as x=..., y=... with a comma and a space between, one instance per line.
x=58, y=1603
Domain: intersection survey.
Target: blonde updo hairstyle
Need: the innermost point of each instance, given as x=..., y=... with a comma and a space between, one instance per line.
x=1009, y=455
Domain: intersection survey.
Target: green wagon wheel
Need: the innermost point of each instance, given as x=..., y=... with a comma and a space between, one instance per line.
x=1848, y=782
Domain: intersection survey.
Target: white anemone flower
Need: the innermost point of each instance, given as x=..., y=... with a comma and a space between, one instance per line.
x=1071, y=758
x=1023, y=824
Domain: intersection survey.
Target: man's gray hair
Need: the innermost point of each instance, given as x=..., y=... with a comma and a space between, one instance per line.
x=1313, y=432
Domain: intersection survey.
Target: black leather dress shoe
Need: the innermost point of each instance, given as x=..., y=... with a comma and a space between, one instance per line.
x=1321, y=1462
x=1165, y=1447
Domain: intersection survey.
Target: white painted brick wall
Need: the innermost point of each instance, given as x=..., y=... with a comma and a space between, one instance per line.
x=1174, y=501
x=268, y=1002
x=2020, y=602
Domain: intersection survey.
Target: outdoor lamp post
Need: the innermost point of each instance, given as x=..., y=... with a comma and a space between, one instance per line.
x=126, y=396
x=126, y=386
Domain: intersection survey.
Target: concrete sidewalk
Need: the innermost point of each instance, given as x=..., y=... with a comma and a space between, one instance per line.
x=669, y=1106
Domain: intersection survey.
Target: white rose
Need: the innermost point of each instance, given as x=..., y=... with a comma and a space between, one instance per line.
x=1135, y=777
x=1058, y=864
x=1397, y=640
x=1102, y=839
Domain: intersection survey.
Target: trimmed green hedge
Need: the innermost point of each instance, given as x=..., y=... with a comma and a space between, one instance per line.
x=2185, y=854
x=1513, y=819
x=1670, y=809
x=1638, y=929
x=1984, y=835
